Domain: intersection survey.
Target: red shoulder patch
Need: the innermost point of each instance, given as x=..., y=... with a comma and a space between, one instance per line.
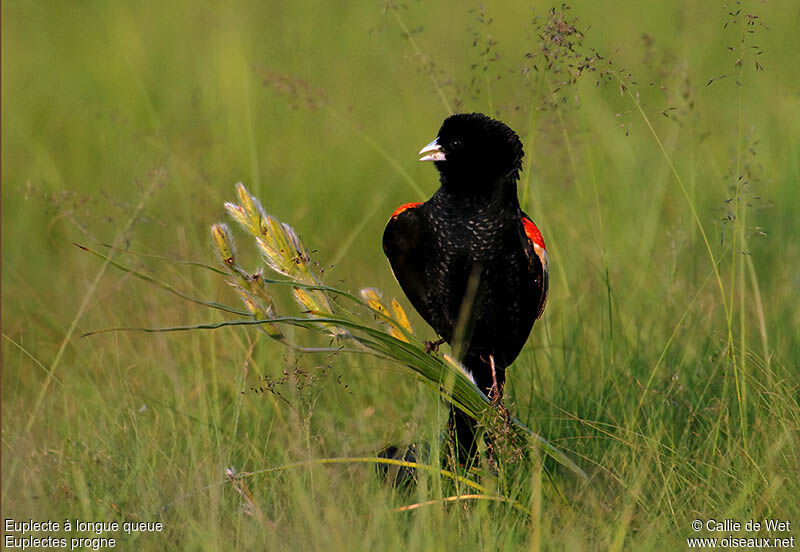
x=407, y=206
x=532, y=232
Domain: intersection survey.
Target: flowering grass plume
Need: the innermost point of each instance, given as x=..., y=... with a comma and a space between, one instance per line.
x=250, y=287
x=281, y=249
x=395, y=321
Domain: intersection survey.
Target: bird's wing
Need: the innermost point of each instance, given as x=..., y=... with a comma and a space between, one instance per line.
x=403, y=244
x=539, y=265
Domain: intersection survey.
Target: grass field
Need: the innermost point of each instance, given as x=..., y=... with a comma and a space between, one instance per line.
x=662, y=165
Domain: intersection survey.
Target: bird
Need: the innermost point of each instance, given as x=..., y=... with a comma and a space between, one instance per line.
x=470, y=261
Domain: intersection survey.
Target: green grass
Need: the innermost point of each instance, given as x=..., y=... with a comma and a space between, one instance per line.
x=667, y=360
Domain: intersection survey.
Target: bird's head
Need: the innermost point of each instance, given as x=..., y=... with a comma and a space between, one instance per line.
x=473, y=150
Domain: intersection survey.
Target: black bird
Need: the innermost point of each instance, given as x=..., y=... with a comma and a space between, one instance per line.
x=471, y=262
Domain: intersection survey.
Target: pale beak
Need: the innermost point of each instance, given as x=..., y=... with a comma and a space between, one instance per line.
x=434, y=152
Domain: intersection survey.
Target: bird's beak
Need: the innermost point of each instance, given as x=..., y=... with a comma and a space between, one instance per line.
x=434, y=152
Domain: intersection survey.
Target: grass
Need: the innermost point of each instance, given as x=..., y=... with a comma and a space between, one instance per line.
x=662, y=176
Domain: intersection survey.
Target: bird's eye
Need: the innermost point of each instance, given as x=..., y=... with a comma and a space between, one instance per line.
x=456, y=143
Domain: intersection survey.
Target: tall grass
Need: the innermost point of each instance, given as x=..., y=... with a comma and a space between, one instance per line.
x=661, y=158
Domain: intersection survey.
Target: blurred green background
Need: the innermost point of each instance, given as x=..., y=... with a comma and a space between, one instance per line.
x=320, y=108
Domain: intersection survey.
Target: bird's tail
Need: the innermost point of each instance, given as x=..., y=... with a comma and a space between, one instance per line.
x=403, y=477
x=489, y=376
x=463, y=436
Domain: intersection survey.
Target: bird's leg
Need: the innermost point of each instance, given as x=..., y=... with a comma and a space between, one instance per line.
x=495, y=393
x=433, y=346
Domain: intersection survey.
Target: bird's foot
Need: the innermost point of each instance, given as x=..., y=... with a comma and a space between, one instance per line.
x=433, y=346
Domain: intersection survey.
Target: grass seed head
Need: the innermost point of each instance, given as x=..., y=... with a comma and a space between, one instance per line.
x=224, y=242
x=395, y=320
